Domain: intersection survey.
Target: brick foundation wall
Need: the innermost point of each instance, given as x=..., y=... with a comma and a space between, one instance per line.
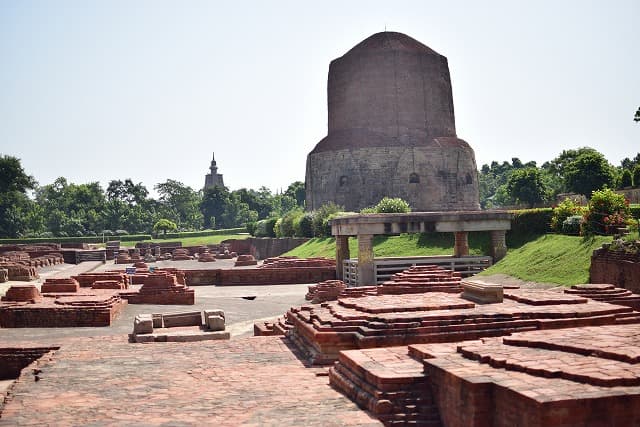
x=262, y=276
x=59, y=317
x=617, y=268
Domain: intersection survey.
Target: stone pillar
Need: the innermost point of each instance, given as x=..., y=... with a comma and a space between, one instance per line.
x=498, y=244
x=461, y=247
x=365, y=260
x=342, y=254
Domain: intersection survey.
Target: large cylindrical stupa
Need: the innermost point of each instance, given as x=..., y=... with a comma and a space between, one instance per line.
x=391, y=132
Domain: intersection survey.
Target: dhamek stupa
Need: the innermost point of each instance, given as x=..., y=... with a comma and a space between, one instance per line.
x=392, y=131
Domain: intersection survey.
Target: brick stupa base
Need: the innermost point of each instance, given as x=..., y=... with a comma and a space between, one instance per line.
x=575, y=376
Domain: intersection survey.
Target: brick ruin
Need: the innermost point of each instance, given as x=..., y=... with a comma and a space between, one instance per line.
x=91, y=299
x=162, y=288
x=619, y=266
x=536, y=357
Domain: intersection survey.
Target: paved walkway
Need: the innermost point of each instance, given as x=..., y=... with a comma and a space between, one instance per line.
x=256, y=381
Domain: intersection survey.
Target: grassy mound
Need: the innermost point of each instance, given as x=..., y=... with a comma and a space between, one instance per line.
x=550, y=258
x=400, y=246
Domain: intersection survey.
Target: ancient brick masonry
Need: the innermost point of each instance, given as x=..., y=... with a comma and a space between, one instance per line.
x=329, y=290
x=617, y=268
x=606, y=293
x=392, y=320
x=161, y=288
x=86, y=280
x=19, y=272
x=568, y=376
x=418, y=279
x=60, y=285
x=26, y=308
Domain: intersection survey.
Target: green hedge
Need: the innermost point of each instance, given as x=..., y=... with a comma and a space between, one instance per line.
x=186, y=234
x=86, y=239
x=527, y=223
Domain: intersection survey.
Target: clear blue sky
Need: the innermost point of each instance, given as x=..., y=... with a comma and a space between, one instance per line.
x=100, y=90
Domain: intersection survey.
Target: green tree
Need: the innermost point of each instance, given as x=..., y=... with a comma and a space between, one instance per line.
x=626, y=179
x=180, y=203
x=213, y=205
x=636, y=176
x=72, y=209
x=588, y=172
x=14, y=202
x=636, y=117
x=164, y=225
x=527, y=186
x=296, y=191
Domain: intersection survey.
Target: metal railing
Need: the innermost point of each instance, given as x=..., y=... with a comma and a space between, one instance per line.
x=384, y=268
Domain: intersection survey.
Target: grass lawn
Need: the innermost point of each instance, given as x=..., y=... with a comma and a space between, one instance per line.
x=193, y=241
x=402, y=245
x=551, y=258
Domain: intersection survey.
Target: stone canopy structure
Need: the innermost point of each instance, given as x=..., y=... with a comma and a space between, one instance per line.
x=391, y=131
x=214, y=178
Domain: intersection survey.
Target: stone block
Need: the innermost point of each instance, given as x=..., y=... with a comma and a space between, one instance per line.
x=143, y=324
x=480, y=292
x=213, y=312
x=157, y=320
x=193, y=318
x=215, y=323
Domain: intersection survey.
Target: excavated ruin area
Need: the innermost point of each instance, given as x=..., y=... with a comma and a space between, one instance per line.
x=323, y=331
x=574, y=376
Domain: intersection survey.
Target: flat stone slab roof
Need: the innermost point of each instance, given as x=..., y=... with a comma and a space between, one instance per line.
x=245, y=381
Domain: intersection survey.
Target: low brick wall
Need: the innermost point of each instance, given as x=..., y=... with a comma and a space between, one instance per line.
x=265, y=247
x=259, y=276
x=617, y=268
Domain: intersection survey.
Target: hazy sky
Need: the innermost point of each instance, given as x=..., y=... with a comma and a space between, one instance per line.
x=101, y=90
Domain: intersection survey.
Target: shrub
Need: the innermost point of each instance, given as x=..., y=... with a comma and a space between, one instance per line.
x=287, y=227
x=395, y=205
x=626, y=180
x=564, y=210
x=320, y=216
x=304, y=227
x=369, y=210
x=265, y=227
x=121, y=232
x=531, y=221
x=636, y=176
x=277, y=228
x=571, y=225
x=107, y=232
x=251, y=227
x=607, y=211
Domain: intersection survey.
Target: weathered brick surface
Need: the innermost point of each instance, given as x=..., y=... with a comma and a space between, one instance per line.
x=329, y=290
x=163, y=288
x=419, y=279
x=60, y=285
x=22, y=293
x=607, y=293
x=615, y=267
x=86, y=280
x=86, y=307
x=392, y=320
x=246, y=381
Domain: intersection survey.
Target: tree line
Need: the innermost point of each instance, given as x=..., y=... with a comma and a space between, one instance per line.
x=64, y=209
x=579, y=171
